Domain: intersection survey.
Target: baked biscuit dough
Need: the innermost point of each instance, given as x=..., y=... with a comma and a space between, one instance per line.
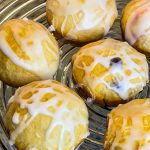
x=81, y=20
x=129, y=126
x=136, y=25
x=46, y=115
x=111, y=71
x=28, y=52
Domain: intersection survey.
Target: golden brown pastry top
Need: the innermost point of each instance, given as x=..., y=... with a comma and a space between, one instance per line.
x=129, y=126
x=110, y=59
x=84, y=14
x=136, y=22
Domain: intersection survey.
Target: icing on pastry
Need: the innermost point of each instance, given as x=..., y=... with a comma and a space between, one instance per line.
x=104, y=54
x=132, y=123
x=138, y=23
x=33, y=148
x=90, y=13
x=39, y=98
x=24, y=41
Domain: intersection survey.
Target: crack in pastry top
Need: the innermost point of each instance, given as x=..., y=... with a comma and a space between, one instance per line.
x=138, y=23
x=93, y=13
x=35, y=105
x=120, y=51
x=24, y=43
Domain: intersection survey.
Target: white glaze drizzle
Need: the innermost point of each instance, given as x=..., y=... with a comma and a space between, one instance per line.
x=15, y=118
x=33, y=148
x=37, y=107
x=128, y=63
x=37, y=63
x=94, y=13
x=138, y=23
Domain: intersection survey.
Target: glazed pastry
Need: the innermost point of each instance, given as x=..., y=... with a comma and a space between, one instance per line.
x=128, y=126
x=136, y=24
x=46, y=115
x=81, y=20
x=110, y=71
x=28, y=52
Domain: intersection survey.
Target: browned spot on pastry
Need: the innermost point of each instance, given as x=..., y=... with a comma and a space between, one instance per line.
x=136, y=145
x=78, y=75
x=99, y=52
x=11, y=41
x=122, y=140
x=43, y=86
x=105, y=53
x=118, y=121
x=22, y=32
x=70, y=105
x=59, y=103
x=117, y=148
x=22, y=111
x=47, y=86
x=112, y=53
x=82, y=1
x=27, y=95
x=29, y=102
x=126, y=132
x=129, y=121
x=85, y=60
x=47, y=97
x=98, y=70
x=128, y=72
x=72, y=92
x=52, y=109
x=135, y=80
x=146, y=122
x=33, y=84
x=55, y=82
x=129, y=52
x=30, y=43
x=58, y=90
x=36, y=91
x=137, y=61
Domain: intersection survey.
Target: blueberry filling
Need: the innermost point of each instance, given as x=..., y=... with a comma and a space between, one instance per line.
x=116, y=85
x=115, y=60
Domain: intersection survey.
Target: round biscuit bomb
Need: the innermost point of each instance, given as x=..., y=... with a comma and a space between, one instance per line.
x=28, y=52
x=129, y=126
x=111, y=71
x=81, y=20
x=136, y=24
x=46, y=115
